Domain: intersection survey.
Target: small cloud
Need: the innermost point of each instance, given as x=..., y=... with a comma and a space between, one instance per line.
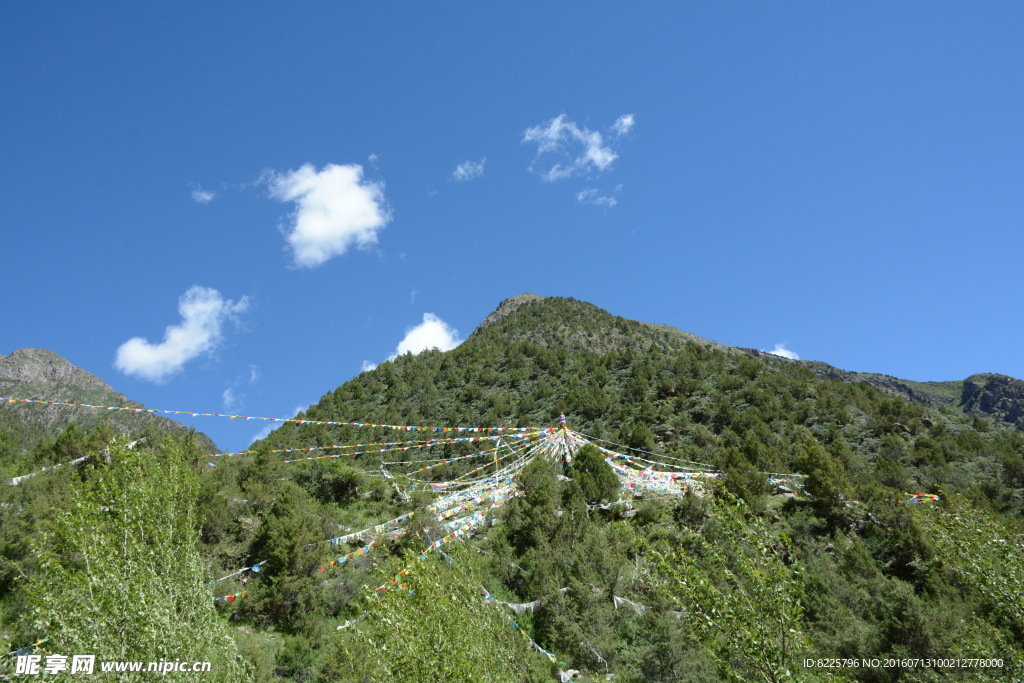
x=566, y=149
x=623, y=124
x=591, y=196
x=412, y=297
x=334, y=210
x=432, y=333
x=202, y=196
x=781, y=350
x=372, y=158
x=231, y=402
x=254, y=374
x=468, y=170
x=203, y=313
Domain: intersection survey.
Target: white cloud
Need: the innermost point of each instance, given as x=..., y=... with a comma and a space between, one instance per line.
x=203, y=196
x=591, y=196
x=432, y=333
x=230, y=400
x=334, y=210
x=468, y=170
x=781, y=350
x=203, y=312
x=623, y=124
x=569, y=150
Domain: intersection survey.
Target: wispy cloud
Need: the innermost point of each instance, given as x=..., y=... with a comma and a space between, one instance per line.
x=230, y=400
x=565, y=149
x=202, y=196
x=367, y=366
x=781, y=350
x=335, y=209
x=623, y=124
x=203, y=312
x=592, y=196
x=234, y=395
x=468, y=170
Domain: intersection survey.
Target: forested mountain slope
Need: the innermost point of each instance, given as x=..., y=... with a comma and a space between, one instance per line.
x=745, y=579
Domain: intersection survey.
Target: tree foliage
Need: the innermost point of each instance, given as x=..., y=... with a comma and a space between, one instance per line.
x=741, y=597
x=435, y=627
x=593, y=476
x=119, y=574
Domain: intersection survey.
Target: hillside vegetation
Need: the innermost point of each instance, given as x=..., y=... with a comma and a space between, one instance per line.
x=744, y=580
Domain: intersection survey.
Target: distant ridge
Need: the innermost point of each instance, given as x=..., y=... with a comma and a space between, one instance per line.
x=994, y=396
x=998, y=397
x=45, y=375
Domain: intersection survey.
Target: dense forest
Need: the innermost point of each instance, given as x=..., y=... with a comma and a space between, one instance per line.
x=807, y=551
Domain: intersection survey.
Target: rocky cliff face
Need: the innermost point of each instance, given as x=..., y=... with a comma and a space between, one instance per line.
x=45, y=375
x=996, y=396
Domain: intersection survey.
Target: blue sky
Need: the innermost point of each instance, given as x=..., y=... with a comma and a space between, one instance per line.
x=235, y=207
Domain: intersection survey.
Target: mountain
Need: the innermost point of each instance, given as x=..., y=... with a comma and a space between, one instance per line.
x=45, y=375
x=806, y=548
x=582, y=326
x=824, y=458
x=654, y=387
x=998, y=397
x=534, y=357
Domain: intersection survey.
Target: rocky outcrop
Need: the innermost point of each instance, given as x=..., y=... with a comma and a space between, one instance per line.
x=45, y=375
x=997, y=396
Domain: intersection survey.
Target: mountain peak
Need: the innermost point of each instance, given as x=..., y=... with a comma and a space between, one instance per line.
x=44, y=375
x=508, y=306
x=41, y=373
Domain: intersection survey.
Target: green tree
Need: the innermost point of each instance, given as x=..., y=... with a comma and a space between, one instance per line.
x=436, y=626
x=287, y=591
x=827, y=479
x=594, y=477
x=744, y=602
x=981, y=553
x=119, y=574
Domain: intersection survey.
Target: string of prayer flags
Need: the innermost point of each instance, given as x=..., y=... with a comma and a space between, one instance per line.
x=254, y=568
x=232, y=597
x=406, y=428
x=921, y=498
x=359, y=552
x=377, y=529
x=448, y=538
x=424, y=443
x=533, y=643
